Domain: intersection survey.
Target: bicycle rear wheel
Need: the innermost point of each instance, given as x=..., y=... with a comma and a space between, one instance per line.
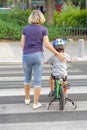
x=61, y=98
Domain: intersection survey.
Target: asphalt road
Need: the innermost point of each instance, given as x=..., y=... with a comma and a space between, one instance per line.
x=15, y=115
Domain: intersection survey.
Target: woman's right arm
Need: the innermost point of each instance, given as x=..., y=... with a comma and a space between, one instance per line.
x=50, y=47
x=22, y=41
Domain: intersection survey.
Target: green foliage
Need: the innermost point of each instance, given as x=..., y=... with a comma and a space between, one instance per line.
x=53, y=33
x=67, y=17
x=82, y=4
x=12, y=22
x=20, y=17
x=71, y=18
x=9, y=31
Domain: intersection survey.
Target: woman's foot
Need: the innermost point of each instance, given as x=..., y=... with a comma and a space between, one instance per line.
x=36, y=106
x=27, y=101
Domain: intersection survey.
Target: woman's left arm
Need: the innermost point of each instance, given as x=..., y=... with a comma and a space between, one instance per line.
x=50, y=47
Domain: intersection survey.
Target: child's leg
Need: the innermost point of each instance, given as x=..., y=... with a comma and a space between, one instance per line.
x=65, y=89
x=51, y=83
x=65, y=85
x=52, y=92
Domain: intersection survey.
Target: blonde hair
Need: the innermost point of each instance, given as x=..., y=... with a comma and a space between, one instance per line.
x=36, y=16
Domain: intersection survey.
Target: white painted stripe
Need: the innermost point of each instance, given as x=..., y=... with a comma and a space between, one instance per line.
x=73, y=70
x=10, y=66
x=22, y=108
x=44, y=91
x=45, y=71
x=78, y=77
x=20, y=71
x=61, y=125
x=14, y=65
x=11, y=72
x=68, y=69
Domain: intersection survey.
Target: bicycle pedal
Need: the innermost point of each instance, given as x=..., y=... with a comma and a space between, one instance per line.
x=51, y=95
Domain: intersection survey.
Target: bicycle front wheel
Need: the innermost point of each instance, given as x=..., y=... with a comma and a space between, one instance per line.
x=61, y=98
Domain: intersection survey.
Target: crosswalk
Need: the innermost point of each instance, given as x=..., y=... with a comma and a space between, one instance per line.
x=15, y=115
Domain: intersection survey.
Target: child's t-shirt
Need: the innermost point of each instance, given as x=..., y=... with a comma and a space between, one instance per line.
x=59, y=68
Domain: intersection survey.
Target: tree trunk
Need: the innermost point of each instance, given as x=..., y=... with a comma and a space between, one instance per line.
x=28, y=4
x=82, y=4
x=86, y=4
x=15, y=3
x=50, y=11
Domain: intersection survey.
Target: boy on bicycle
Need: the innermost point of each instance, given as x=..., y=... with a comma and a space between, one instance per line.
x=59, y=68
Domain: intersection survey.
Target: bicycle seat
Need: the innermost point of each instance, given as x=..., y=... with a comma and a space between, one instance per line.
x=58, y=77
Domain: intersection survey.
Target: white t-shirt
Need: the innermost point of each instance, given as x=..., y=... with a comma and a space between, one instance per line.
x=59, y=68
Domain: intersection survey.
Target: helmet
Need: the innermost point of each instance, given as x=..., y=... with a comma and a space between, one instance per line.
x=59, y=44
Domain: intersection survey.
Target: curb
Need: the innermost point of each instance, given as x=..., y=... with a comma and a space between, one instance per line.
x=79, y=59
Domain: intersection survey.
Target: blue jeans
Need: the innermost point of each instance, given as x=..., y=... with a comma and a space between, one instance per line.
x=33, y=62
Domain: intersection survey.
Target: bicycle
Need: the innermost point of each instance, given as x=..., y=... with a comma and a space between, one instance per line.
x=58, y=67
x=60, y=94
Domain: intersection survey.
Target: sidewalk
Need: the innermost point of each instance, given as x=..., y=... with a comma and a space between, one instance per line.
x=12, y=52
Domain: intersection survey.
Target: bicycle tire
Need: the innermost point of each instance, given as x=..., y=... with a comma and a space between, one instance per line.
x=61, y=98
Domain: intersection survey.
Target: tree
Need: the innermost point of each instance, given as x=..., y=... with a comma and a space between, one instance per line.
x=28, y=3
x=82, y=4
x=86, y=4
x=76, y=2
x=49, y=10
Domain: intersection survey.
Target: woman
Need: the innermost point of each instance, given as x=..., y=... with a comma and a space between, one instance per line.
x=33, y=38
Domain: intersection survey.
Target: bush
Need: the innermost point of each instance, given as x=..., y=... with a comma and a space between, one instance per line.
x=9, y=31
x=20, y=17
x=12, y=22
x=71, y=17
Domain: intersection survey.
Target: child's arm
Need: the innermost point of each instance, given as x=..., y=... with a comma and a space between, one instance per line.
x=67, y=58
x=73, y=59
x=50, y=60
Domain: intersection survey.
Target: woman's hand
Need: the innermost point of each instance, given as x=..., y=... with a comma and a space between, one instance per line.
x=60, y=56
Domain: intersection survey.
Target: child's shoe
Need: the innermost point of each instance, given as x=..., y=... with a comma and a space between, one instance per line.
x=67, y=86
x=51, y=93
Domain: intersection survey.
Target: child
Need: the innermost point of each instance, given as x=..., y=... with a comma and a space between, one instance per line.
x=59, y=68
